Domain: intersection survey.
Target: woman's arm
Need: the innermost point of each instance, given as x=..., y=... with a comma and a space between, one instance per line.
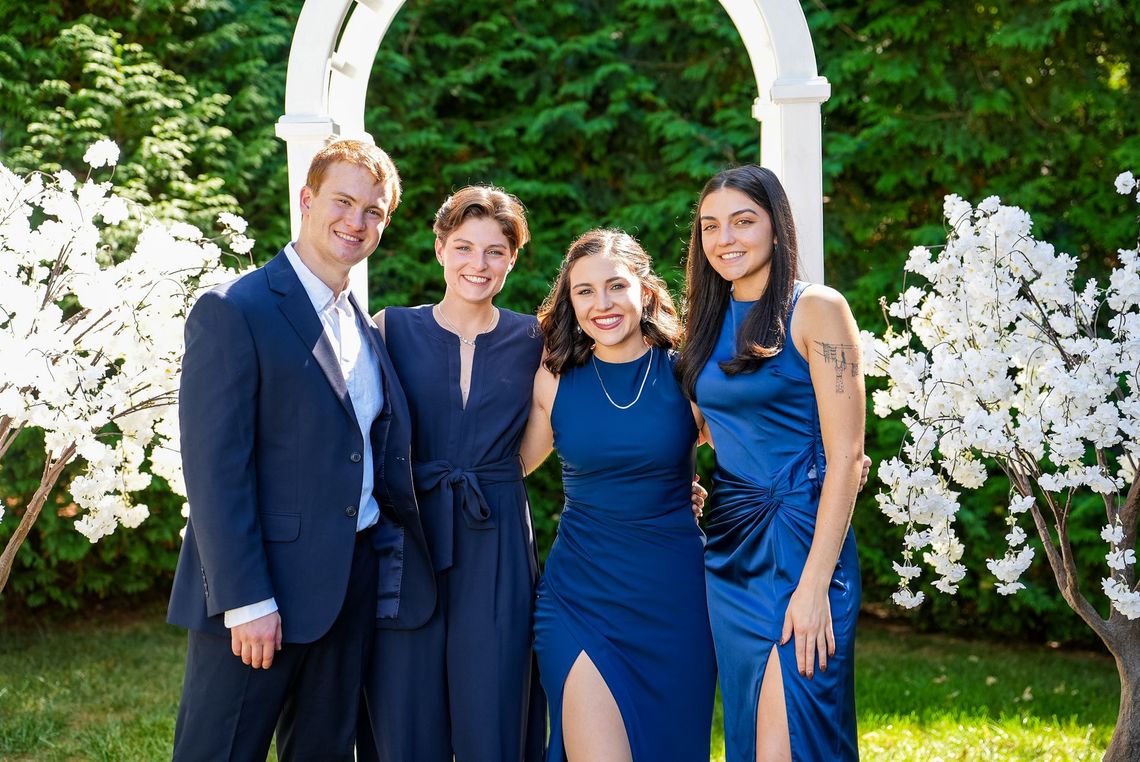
x=702, y=426
x=378, y=319
x=825, y=333
x=538, y=439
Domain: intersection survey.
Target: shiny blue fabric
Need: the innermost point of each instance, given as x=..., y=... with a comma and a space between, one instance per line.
x=760, y=524
x=624, y=581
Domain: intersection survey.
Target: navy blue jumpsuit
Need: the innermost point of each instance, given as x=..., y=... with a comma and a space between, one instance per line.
x=464, y=683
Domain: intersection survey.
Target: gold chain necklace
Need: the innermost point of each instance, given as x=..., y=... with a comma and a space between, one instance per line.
x=463, y=339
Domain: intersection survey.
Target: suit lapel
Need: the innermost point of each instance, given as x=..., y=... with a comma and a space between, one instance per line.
x=298, y=310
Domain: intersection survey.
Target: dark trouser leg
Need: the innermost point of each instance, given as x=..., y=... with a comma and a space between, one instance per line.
x=406, y=715
x=318, y=719
x=534, y=749
x=488, y=644
x=228, y=710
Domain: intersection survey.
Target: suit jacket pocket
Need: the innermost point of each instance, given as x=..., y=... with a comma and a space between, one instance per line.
x=280, y=527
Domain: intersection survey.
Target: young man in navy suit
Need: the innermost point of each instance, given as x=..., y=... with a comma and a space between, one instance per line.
x=304, y=532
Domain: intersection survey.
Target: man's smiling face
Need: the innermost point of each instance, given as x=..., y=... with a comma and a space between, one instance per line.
x=342, y=221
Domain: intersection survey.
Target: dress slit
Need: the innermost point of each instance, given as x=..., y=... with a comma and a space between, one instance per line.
x=609, y=689
x=759, y=687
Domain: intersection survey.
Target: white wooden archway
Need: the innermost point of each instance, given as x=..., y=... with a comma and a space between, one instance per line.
x=335, y=44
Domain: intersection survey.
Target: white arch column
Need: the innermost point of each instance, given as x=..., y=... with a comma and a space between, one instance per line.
x=335, y=44
x=790, y=91
x=325, y=89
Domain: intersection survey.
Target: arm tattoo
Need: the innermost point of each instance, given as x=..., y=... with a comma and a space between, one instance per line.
x=844, y=358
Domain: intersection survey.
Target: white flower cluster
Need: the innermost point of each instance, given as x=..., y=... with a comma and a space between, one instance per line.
x=92, y=337
x=1000, y=357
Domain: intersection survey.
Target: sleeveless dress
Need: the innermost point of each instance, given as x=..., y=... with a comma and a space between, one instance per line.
x=464, y=684
x=770, y=467
x=624, y=580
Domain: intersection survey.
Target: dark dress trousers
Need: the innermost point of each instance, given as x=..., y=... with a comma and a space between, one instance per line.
x=272, y=456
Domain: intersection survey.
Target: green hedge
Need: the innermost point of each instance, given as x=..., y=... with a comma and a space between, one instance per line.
x=605, y=112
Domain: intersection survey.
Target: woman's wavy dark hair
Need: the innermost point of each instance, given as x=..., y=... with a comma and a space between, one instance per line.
x=566, y=346
x=761, y=334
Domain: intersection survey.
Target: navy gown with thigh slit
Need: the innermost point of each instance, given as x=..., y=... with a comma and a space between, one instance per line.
x=624, y=582
x=463, y=685
x=760, y=525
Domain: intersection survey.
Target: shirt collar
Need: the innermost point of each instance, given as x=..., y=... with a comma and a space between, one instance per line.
x=319, y=294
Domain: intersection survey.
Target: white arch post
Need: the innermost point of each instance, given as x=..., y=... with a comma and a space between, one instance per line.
x=335, y=44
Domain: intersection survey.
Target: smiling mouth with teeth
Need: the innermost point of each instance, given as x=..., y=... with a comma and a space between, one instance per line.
x=732, y=255
x=478, y=280
x=608, y=321
x=348, y=238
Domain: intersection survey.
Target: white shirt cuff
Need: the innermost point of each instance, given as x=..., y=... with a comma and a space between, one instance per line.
x=244, y=614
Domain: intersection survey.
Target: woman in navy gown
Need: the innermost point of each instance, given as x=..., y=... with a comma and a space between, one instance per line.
x=773, y=364
x=621, y=629
x=462, y=685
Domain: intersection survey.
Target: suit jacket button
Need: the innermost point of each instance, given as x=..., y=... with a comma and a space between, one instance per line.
x=356, y=457
x=350, y=511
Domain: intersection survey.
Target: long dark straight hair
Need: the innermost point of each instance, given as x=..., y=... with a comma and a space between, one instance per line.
x=567, y=347
x=761, y=335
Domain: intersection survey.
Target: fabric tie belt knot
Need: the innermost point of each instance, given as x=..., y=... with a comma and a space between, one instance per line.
x=447, y=490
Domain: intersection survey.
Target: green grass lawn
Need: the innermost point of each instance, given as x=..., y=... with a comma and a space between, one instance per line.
x=108, y=690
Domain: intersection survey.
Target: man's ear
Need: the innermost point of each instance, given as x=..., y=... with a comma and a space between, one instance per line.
x=439, y=252
x=306, y=198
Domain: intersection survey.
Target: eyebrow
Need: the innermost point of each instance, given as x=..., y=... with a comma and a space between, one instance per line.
x=746, y=210
x=489, y=246
x=608, y=280
x=353, y=199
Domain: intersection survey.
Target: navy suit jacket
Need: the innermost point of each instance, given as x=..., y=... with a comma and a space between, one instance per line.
x=271, y=454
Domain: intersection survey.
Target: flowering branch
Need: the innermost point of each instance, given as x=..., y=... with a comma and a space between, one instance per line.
x=92, y=338
x=1002, y=357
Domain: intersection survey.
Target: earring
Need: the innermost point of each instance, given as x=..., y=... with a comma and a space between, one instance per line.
x=578, y=329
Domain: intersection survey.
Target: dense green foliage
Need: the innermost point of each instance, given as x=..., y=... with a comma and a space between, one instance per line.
x=606, y=112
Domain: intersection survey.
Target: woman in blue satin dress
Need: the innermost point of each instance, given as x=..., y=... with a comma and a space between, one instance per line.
x=773, y=364
x=462, y=686
x=621, y=628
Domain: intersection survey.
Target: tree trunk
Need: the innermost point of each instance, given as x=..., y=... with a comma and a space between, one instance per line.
x=1123, y=640
x=53, y=469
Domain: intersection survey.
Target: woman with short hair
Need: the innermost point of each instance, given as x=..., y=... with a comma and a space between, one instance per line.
x=462, y=686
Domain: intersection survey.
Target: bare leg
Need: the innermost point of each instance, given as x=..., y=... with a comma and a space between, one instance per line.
x=592, y=728
x=773, y=744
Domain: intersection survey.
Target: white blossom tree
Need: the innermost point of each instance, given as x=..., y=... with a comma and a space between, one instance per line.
x=91, y=338
x=1001, y=358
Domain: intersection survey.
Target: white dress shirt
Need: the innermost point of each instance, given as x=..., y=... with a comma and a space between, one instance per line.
x=344, y=330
